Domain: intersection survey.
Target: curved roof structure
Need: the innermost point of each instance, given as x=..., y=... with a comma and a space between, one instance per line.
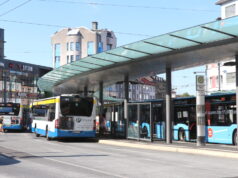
x=181, y=49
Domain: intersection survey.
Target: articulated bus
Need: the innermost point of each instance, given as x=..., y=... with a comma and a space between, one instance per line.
x=220, y=113
x=14, y=116
x=146, y=119
x=64, y=116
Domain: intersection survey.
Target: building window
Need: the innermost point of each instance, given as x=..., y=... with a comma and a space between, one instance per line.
x=71, y=46
x=67, y=46
x=100, y=47
x=109, y=46
x=77, y=57
x=57, y=55
x=230, y=10
x=77, y=46
x=71, y=58
x=90, y=48
x=68, y=60
x=230, y=78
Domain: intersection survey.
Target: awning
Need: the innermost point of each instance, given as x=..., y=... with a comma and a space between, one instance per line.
x=181, y=49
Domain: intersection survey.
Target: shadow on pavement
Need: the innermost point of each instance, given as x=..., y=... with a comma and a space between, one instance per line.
x=5, y=160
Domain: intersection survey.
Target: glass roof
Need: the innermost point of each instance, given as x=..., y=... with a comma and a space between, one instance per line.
x=162, y=44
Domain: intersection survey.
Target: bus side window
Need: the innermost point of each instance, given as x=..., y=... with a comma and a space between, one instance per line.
x=51, y=116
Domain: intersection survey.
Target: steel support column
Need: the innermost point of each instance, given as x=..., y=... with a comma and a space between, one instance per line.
x=126, y=96
x=168, y=106
x=235, y=138
x=101, y=117
x=85, y=91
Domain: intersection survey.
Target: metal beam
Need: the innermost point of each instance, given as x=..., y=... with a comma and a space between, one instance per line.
x=138, y=51
x=185, y=39
x=102, y=59
x=159, y=45
x=119, y=55
x=218, y=31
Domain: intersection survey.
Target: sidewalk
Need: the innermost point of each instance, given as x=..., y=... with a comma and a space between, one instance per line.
x=218, y=150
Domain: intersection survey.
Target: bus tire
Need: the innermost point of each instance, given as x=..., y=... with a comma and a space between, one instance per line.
x=144, y=132
x=47, y=134
x=181, y=135
x=37, y=135
x=4, y=130
x=234, y=138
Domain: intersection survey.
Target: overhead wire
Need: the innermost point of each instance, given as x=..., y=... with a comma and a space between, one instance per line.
x=18, y=6
x=129, y=6
x=61, y=26
x=4, y=2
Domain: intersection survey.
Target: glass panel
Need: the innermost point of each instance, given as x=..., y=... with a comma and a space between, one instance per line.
x=228, y=25
x=111, y=57
x=77, y=46
x=149, y=48
x=87, y=65
x=172, y=42
x=57, y=55
x=159, y=123
x=97, y=61
x=133, y=130
x=75, y=68
x=145, y=121
x=201, y=35
x=100, y=47
x=127, y=53
x=56, y=73
x=68, y=70
x=90, y=48
x=119, y=121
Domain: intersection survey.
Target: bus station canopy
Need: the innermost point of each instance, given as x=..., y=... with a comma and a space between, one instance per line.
x=199, y=45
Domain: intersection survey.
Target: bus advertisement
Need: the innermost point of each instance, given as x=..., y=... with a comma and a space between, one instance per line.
x=64, y=116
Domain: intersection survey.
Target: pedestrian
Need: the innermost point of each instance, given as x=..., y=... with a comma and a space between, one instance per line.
x=1, y=124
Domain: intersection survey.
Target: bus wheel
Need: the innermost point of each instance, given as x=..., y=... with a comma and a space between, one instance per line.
x=37, y=135
x=4, y=130
x=181, y=135
x=47, y=134
x=144, y=132
x=234, y=138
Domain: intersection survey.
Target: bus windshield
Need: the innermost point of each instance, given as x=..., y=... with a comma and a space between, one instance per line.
x=9, y=109
x=76, y=106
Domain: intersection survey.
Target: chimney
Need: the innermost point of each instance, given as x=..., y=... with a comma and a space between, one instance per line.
x=95, y=26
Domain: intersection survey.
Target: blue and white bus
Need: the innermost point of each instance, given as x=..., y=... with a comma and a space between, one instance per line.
x=220, y=113
x=13, y=116
x=64, y=116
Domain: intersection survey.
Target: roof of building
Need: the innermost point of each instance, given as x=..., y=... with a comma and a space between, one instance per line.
x=199, y=45
x=220, y=2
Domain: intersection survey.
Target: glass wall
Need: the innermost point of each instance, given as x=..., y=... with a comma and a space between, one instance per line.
x=57, y=55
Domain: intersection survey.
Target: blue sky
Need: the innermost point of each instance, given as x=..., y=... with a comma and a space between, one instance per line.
x=141, y=19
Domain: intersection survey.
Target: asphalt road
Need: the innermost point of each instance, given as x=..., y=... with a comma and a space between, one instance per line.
x=23, y=155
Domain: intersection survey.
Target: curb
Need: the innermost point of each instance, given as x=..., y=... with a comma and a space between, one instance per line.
x=196, y=151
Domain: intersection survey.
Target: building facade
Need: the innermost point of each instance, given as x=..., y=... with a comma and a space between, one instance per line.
x=1, y=43
x=220, y=77
x=18, y=81
x=72, y=44
x=145, y=88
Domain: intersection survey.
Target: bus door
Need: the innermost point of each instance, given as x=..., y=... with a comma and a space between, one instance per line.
x=221, y=123
x=158, y=121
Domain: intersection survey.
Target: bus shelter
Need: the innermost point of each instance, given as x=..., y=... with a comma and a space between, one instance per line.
x=199, y=45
